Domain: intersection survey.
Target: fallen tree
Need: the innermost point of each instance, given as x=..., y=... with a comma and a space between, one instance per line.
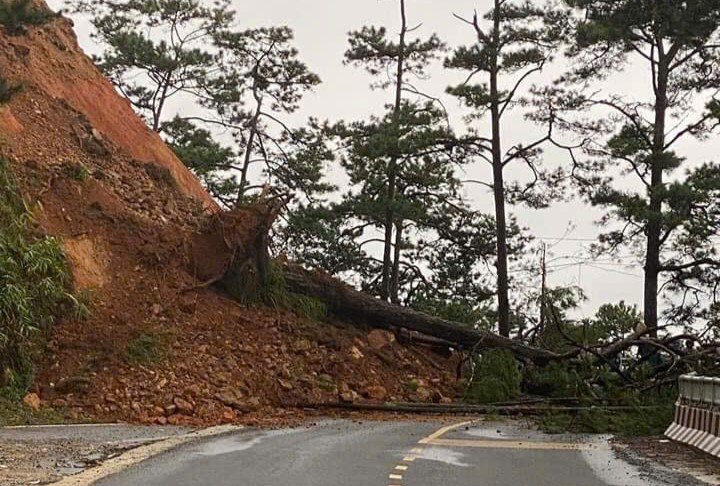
x=231, y=251
x=355, y=306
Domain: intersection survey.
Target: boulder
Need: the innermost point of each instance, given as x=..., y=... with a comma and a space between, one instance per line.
x=380, y=339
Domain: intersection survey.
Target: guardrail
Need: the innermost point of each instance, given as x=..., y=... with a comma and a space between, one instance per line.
x=697, y=414
x=700, y=389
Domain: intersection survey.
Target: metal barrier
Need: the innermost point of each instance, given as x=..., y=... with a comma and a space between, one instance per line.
x=697, y=414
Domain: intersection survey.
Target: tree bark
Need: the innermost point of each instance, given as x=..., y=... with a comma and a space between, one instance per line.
x=354, y=306
x=387, y=269
x=251, y=141
x=499, y=185
x=654, y=223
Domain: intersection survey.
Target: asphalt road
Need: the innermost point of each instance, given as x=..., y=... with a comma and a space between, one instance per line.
x=394, y=453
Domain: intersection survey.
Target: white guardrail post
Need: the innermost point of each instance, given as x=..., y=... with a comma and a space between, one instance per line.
x=697, y=414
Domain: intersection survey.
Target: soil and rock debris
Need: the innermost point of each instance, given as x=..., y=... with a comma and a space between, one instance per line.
x=158, y=346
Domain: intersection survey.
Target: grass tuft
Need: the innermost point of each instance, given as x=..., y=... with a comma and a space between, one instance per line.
x=145, y=349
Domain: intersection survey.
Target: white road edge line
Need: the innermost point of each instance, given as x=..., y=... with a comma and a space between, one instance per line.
x=135, y=456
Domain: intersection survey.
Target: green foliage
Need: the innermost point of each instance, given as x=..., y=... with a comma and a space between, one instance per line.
x=76, y=171
x=16, y=15
x=496, y=378
x=156, y=50
x=262, y=81
x=249, y=288
x=631, y=168
x=8, y=90
x=209, y=160
x=554, y=380
x=13, y=413
x=145, y=349
x=634, y=422
x=34, y=281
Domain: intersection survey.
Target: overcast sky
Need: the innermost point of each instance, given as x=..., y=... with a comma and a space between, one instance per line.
x=321, y=28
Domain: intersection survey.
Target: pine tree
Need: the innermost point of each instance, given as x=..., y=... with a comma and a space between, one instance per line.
x=514, y=45
x=669, y=217
x=205, y=157
x=262, y=70
x=396, y=138
x=156, y=50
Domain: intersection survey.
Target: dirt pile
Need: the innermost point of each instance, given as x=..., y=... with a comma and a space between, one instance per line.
x=158, y=346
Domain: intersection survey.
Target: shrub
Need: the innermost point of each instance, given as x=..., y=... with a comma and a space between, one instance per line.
x=34, y=281
x=76, y=172
x=145, y=349
x=245, y=286
x=15, y=15
x=8, y=90
x=496, y=378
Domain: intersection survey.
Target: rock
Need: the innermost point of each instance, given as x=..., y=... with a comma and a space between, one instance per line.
x=175, y=420
x=73, y=384
x=423, y=394
x=183, y=406
x=234, y=401
x=380, y=339
x=32, y=400
x=59, y=403
x=376, y=392
x=437, y=397
x=228, y=415
x=285, y=385
x=193, y=391
x=348, y=396
x=156, y=309
x=160, y=420
x=169, y=410
x=356, y=353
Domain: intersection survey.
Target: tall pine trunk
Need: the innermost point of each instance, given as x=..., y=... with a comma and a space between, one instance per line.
x=386, y=290
x=654, y=223
x=395, y=281
x=499, y=185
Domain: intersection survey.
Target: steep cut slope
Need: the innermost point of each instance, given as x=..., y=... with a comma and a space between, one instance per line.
x=158, y=346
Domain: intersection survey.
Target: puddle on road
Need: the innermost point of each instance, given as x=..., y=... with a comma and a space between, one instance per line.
x=441, y=454
x=233, y=443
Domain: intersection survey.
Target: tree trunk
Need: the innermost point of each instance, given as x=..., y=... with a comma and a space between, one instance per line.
x=387, y=268
x=655, y=223
x=249, y=149
x=395, y=281
x=499, y=186
x=354, y=306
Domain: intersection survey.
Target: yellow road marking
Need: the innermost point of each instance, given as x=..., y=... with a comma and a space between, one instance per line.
x=510, y=444
x=400, y=467
x=416, y=450
x=439, y=433
x=408, y=459
x=395, y=476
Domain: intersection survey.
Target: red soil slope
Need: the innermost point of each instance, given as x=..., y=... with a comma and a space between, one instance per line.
x=124, y=207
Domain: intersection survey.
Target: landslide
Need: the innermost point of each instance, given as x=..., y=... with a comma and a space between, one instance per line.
x=159, y=346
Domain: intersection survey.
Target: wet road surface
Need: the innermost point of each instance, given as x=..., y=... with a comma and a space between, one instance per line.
x=394, y=453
